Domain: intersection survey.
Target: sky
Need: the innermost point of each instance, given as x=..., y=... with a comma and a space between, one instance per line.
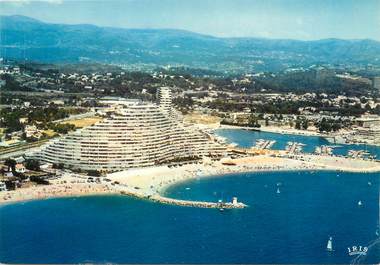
x=289, y=19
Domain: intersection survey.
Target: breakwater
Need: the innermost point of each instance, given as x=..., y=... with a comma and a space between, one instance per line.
x=186, y=203
x=198, y=204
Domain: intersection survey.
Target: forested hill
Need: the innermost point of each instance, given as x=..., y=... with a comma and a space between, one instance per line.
x=28, y=38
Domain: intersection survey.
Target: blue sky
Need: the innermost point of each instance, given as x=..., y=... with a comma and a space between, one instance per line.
x=293, y=19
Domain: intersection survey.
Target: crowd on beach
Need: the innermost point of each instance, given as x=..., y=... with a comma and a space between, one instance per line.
x=63, y=188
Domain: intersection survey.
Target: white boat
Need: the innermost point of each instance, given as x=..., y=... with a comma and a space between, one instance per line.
x=278, y=191
x=329, y=245
x=360, y=203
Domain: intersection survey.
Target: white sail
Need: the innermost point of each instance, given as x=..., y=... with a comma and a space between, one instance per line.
x=329, y=244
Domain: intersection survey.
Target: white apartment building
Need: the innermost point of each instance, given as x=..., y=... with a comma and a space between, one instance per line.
x=164, y=99
x=369, y=134
x=135, y=135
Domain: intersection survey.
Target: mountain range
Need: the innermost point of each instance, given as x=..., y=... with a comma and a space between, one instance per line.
x=25, y=38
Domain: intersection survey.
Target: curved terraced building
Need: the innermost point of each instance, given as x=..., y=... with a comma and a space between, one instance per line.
x=134, y=135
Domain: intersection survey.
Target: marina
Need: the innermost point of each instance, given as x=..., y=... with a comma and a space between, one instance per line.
x=244, y=137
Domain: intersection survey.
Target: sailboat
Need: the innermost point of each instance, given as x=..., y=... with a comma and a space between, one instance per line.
x=278, y=191
x=329, y=245
x=374, y=244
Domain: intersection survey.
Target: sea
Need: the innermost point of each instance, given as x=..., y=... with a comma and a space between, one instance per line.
x=290, y=218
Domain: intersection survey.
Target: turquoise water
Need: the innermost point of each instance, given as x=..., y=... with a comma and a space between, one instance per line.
x=246, y=138
x=290, y=227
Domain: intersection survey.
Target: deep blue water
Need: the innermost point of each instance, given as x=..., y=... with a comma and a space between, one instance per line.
x=290, y=227
x=247, y=138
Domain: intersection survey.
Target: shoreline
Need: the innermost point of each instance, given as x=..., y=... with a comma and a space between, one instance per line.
x=278, y=130
x=58, y=197
x=153, y=183
x=291, y=131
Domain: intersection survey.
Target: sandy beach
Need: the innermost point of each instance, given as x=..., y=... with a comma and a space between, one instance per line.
x=151, y=183
x=63, y=187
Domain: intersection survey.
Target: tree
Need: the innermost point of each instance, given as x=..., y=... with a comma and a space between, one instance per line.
x=253, y=121
x=58, y=166
x=94, y=173
x=305, y=124
x=266, y=122
x=324, y=125
x=11, y=164
x=32, y=164
x=298, y=125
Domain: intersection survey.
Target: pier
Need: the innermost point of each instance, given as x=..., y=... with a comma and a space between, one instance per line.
x=324, y=150
x=358, y=153
x=294, y=147
x=262, y=144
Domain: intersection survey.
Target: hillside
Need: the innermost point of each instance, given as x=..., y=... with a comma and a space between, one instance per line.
x=24, y=37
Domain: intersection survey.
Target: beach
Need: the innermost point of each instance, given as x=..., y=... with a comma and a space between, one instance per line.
x=151, y=183
x=64, y=187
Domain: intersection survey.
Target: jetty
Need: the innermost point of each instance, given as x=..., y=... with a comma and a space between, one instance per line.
x=187, y=203
x=198, y=204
